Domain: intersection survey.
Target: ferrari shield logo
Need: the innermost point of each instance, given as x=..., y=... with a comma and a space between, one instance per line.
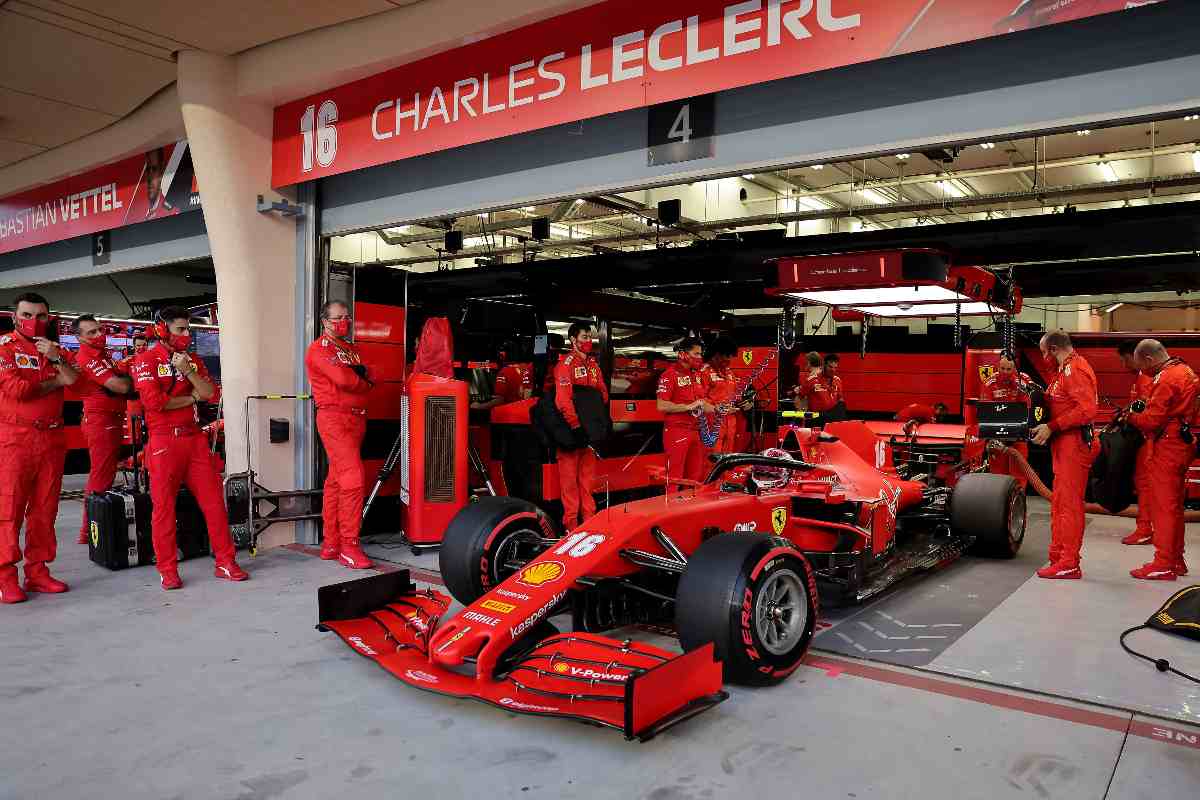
x=94, y=530
x=986, y=372
x=747, y=357
x=779, y=518
x=1038, y=413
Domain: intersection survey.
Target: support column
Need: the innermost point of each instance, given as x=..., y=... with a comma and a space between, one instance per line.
x=255, y=259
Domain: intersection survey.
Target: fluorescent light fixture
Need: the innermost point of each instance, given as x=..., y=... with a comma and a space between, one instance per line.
x=951, y=188
x=811, y=203
x=400, y=231
x=1191, y=117
x=482, y=215
x=1196, y=160
x=883, y=296
x=928, y=310
x=1110, y=174
x=988, y=146
x=529, y=209
x=749, y=176
x=818, y=166
x=1113, y=308
x=872, y=196
x=903, y=156
x=1083, y=133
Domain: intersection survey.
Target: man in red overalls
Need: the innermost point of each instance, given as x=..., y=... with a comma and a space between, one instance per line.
x=1007, y=386
x=577, y=468
x=340, y=384
x=1166, y=421
x=32, y=448
x=172, y=383
x=103, y=387
x=1073, y=406
x=1143, y=532
x=821, y=389
x=681, y=393
x=720, y=387
x=513, y=382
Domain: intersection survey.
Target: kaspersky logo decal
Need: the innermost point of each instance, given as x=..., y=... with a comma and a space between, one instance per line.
x=541, y=573
x=779, y=518
x=516, y=631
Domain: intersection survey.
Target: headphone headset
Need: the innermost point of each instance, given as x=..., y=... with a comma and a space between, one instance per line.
x=159, y=329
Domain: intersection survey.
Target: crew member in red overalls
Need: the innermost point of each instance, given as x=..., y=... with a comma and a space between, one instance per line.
x=1008, y=386
x=340, y=384
x=821, y=390
x=513, y=382
x=33, y=448
x=1073, y=406
x=172, y=383
x=681, y=394
x=720, y=387
x=577, y=468
x=1166, y=420
x=103, y=386
x=1143, y=532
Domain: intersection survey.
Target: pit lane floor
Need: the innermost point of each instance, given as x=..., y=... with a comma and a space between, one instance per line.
x=118, y=689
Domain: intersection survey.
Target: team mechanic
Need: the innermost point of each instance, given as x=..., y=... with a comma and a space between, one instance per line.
x=1143, y=531
x=340, y=384
x=720, y=387
x=1073, y=406
x=1166, y=421
x=577, y=467
x=1008, y=386
x=822, y=390
x=680, y=394
x=33, y=448
x=103, y=386
x=171, y=383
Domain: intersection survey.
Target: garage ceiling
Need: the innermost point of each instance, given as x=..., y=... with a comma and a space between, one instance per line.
x=67, y=71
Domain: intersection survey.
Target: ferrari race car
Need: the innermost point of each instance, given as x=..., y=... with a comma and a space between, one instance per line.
x=732, y=565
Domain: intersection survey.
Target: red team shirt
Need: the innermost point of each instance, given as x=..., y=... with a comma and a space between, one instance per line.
x=22, y=369
x=678, y=384
x=157, y=381
x=575, y=370
x=334, y=383
x=96, y=368
x=1072, y=395
x=1006, y=390
x=512, y=380
x=821, y=391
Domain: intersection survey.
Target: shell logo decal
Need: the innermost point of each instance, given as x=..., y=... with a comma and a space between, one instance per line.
x=986, y=372
x=747, y=357
x=541, y=573
x=562, y=668
x=779, y=518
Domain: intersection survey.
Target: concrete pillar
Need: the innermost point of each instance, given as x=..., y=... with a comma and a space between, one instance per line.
x=255, y=259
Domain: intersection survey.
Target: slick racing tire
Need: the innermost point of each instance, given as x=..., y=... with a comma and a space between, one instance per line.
x=755, y=598
x=487, y=541
x=991, y=508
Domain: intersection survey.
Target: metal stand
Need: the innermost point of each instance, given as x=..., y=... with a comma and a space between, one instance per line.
x=290, y=506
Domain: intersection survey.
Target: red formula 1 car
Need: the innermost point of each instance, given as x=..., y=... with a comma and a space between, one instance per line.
x=732, y=565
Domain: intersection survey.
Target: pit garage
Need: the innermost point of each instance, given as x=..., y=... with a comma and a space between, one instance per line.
x=1003, y=189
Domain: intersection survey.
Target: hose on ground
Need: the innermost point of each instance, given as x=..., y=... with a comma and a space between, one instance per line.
x=1042, y=489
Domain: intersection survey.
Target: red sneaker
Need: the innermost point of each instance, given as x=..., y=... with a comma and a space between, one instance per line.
x=230, y=571
x=39, y=579
x=330, y=552
x=1138, y=537
x=1061, y=572
x=10, y=590
x=352, y=555
x=171, y=580
x=1180, y=568
x=1154, y=571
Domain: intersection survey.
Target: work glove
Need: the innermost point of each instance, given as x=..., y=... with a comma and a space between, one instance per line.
x=579, y=436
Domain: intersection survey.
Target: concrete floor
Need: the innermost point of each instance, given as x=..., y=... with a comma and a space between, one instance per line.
x=226, y=691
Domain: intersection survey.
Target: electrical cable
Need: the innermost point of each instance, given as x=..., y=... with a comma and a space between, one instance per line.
x=1161, y=664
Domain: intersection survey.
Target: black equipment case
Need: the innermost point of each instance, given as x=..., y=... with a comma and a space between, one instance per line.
x=120, y=533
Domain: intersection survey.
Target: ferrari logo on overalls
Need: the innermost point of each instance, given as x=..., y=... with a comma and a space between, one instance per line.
x=986, y=372
x=779, y=518
x=747, y=357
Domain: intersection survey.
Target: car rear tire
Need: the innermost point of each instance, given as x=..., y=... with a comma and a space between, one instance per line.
x=755, y=598
x=990, y=508
x=484, y=539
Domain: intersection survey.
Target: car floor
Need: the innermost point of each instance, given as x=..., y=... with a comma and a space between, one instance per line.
x=118, y=689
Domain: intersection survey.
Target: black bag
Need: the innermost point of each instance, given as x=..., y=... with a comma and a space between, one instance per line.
x=191, y=531
x=1180, y=615
x=551, y=427
x=119, y=529
x=1111, y=480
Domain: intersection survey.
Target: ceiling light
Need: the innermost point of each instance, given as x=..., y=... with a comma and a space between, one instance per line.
x=580, y=201
x=887, y=296
x=529, y=209
x=1191, y=117
x=929, y=310
x=988, y=146
x=748, y=176
x=1113, y=308
x=872, y=196
x=951, y=189
x=903, y=156
x=396, y=231
x=482, y=215
x=818, y=166
x=1083, y=133
x=1196, y=160
x=811, y=203
x=1110, y=174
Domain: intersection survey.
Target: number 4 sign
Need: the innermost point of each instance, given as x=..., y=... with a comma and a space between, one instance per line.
x=681, y=130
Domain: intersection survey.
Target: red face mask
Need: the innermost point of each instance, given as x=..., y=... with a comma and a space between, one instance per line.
x=584, y=345
x=341, y=327
x=179, y=341
x=34, y=328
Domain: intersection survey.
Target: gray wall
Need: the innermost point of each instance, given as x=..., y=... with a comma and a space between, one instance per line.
x=1117, y=67
x=163, y=241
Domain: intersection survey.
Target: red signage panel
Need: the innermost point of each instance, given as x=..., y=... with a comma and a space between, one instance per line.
x=616, y=55
x=156, y=184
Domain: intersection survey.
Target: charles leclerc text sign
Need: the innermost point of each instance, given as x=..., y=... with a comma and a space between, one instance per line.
x=617, y=55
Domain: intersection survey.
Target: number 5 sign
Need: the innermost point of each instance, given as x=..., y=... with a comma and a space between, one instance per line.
x=681, y=130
